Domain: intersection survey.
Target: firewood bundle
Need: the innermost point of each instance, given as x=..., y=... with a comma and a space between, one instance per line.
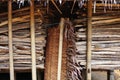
x=105, y=43
x=21, y=40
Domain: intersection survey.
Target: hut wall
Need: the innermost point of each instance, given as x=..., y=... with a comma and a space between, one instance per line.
x=105, y=46
x=98, y=75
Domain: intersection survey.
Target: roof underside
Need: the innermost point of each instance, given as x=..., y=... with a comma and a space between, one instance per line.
x=63, y=5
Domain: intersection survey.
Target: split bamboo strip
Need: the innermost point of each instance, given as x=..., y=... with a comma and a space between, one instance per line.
x=12, y=74
x=89, y=39
x=32, y=29
x=61, y=25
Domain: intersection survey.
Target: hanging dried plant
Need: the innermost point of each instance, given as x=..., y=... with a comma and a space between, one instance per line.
x=81, y=3
x=109, y=3
x=73, y=68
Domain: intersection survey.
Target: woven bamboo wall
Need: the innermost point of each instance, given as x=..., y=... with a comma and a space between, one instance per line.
x=52, y=55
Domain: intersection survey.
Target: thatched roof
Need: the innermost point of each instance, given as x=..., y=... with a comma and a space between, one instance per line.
x=63, y=5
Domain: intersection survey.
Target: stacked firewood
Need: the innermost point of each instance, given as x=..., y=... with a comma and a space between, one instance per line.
x=105, y=43
x=21, y=39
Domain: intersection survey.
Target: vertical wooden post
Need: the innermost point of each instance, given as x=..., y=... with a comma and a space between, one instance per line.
x=89, y=39
x=32, y=29
x=15, y=76
x=60, y=49
x=10, y=40
x=38, y=75
x=110, y=75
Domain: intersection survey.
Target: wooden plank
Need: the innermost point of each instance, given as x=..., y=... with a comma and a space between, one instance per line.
x=12, y=74
x=89, y=39
x=32, y=29
x=60, y=49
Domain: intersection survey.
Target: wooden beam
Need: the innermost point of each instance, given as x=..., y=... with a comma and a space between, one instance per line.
x=89, y=39
x=61, y=25
x=73, y=6
x=32, y=29
x=56, y=6
x=10, y=40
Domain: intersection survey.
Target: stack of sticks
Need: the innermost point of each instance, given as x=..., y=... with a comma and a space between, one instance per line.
x=21, y=39
x=105, y=44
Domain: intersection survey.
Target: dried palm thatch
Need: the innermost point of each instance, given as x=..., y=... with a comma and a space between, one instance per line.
x=73, y=68
x=106, y=3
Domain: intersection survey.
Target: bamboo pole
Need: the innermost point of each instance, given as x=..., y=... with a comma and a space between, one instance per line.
x=56, y=6
x=60, y=49
x=89, y=39
x=73, y=6
x=32, y=29
x=12, y=76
